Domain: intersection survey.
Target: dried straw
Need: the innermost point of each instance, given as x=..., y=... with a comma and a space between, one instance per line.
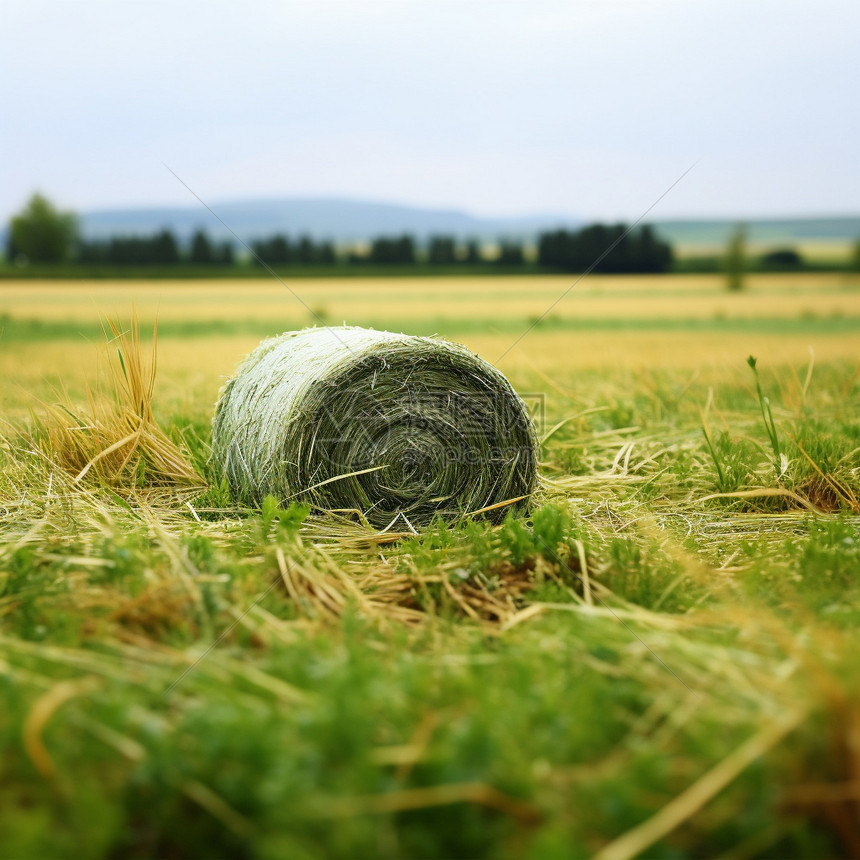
x=381, y=425
x=118, y=441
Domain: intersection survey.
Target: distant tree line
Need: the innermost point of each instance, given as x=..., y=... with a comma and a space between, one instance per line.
x=438, y=252
x=608, y=248
x=281, y=250
x=389, y=250
x=403, y=250
x=40, y=233
x=162, y=249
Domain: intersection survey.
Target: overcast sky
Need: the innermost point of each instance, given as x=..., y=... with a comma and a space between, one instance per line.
x=590, y=109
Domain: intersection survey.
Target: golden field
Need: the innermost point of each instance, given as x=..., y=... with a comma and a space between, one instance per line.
x=486, y=313
x=414, y=298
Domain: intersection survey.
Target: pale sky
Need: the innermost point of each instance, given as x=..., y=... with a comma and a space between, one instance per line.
x=590, y=109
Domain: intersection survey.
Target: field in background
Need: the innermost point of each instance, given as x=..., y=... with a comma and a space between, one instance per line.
x=50, y=331
x=812, y=250
x=659, y=661
x=462, y=303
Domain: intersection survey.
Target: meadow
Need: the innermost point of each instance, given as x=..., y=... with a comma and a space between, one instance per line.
x=658, y=660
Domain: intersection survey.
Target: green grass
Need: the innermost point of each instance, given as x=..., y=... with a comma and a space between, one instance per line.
x=684, y=263
x=209, y=680
x=15, y=329
x=187, y=271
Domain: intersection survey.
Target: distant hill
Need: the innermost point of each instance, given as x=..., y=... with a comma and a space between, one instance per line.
x=343, y=221
x=339, y=220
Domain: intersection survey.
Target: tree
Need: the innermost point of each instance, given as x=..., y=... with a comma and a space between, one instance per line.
x=91, y=252
x=165, y=248
x=326, y=255
x=855, y=256
x=224, y=254
x=441, y=251
x=650, y=254
x=606, y=248
x=735, y=259
x=273, y=251
x=782, y=258
x=392, y=251
x=129, y=250
x=510, y=253
x=201, y=248
x=306, y=251
x=473, y=252
x=41, y=233
x=555, y=249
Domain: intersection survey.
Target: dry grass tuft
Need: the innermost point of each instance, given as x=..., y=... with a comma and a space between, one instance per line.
x=117, y=441
x=322, y=589
x=827, y=490
x=155, y=612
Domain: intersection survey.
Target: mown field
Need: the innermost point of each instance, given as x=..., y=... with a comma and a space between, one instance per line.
x=659, y=660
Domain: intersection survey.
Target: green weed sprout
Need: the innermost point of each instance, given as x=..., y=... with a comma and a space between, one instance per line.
x=780, y=462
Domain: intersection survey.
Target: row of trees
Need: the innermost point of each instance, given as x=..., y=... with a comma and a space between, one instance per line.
x=159, y=249
x=628, y=251
x=41, y=233
x=279, y=250
x=613, y=248
x=384, y=250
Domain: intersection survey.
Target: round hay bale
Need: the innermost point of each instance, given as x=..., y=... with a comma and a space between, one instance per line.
x=353, y=420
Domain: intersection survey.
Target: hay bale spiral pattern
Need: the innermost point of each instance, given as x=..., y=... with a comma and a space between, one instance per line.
x=418, y=426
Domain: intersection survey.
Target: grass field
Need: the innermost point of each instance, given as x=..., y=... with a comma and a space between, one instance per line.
x=659, y=661
x=51, y=331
